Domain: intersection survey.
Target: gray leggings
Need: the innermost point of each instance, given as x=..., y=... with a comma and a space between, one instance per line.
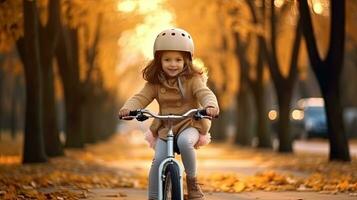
x=186, y=141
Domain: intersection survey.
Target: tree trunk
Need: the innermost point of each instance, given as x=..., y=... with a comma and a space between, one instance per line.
x=14, y=102
x=283, y=85
x=91, y=119
x=244, y=119
x=218, y=131
x=328, y=73
x=108, y=119
x=89, y=95
x=338, y=140
x=67, y=58
x=264, y=140
x=219, y=127
x=284, y=91
x=1, y=94
x=48, y=42
x=50, y=126
x=285, y=138
x=34, y=150
x=244, y=108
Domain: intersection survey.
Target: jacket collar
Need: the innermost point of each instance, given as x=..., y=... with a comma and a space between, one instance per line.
x=173, y=83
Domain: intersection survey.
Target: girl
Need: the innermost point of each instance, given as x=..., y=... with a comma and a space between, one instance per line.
x=178, y=87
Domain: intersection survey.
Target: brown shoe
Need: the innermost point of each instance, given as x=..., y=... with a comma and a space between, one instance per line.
x=194, y=190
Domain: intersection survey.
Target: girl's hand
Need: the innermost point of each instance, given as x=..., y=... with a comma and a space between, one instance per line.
x=123, y=113
x=212, y=111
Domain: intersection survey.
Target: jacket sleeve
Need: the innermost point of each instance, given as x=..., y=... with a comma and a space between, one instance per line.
x=204, y=95
x=141, y=99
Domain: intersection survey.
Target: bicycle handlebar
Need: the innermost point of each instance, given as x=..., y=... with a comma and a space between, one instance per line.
x=143, y=114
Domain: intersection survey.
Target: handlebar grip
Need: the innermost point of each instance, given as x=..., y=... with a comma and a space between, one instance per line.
x=202, y=112
x=133, y=113
x=126, y=118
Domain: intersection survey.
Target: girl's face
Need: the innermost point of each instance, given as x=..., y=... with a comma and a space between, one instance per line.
x=172, y=63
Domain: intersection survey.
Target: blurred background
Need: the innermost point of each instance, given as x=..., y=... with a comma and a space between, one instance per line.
x=66, y=67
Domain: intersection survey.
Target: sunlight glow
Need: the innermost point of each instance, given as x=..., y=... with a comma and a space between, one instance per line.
x=137, y=44
x=278, y=3
x=147, y=6
x=198, y=63
x=126, y=6
x=297, y=114
x=273, y=115
x=320, y=7
x=317, y=8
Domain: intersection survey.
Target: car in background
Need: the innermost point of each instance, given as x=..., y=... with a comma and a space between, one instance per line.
x=313, y=122
x=308, y=119
x=350, y=120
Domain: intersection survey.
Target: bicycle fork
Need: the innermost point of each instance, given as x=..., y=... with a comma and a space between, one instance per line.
x=170, y=159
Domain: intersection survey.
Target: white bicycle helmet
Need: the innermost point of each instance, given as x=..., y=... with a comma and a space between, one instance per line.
x=174, y=39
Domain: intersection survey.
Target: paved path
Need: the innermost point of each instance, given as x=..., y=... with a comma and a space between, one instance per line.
x=320, y=146
x=137, y=194
x=211, y=164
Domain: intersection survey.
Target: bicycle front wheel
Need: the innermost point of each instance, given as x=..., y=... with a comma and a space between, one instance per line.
x=171, y=184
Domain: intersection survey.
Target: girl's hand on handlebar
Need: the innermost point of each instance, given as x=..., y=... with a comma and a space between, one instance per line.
x=123, y=113
x=212, y=111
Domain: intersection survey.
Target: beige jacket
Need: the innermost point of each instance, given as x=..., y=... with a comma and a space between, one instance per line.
x=175, y=96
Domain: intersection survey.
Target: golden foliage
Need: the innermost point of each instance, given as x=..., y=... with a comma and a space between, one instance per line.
x=302, y=172
x=268, y=181
x=29, y=181
x=105, y=22
x=214, y=43
x=11, y=22
x=278, y=181
x=9, y=159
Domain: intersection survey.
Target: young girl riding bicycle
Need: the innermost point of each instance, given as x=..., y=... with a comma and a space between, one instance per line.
x=177, y=86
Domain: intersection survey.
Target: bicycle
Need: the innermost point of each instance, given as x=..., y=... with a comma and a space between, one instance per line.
x=170, y=171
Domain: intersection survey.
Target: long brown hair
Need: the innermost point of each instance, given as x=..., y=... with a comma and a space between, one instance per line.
x=154, y=68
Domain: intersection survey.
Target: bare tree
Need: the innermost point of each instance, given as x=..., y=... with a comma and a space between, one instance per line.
x=328, y=73
x=79, y=114
x=283, y=85
x=256, y=85
x=244, y=105
x=67, y=53
x=48, y=41
x=29, y=49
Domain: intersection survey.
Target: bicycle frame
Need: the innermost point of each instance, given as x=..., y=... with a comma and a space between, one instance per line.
x=142, y=115
x=170, y=158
